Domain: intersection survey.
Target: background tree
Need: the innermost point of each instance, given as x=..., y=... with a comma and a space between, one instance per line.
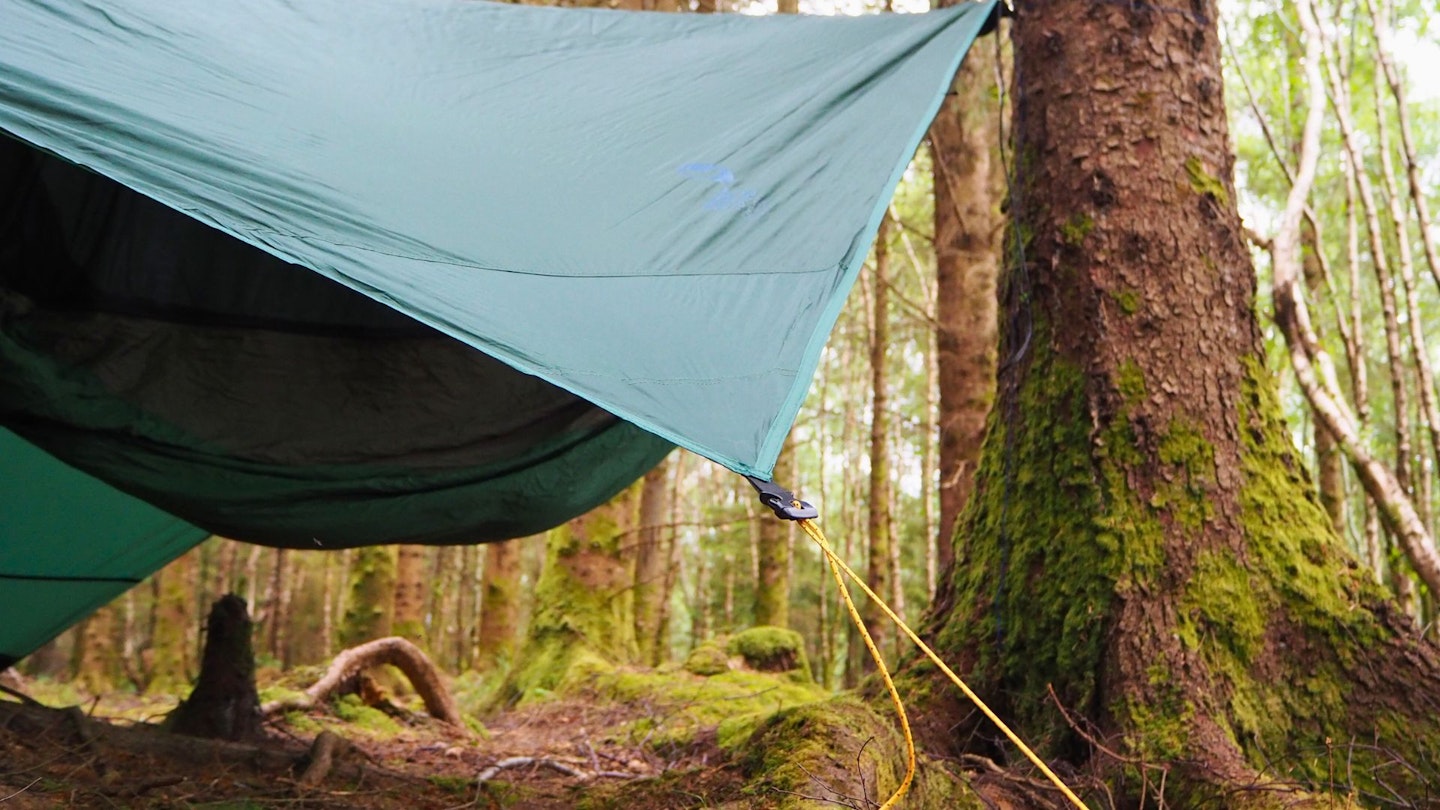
x=499, y=605
x=369, y=607
x=584, y=601
x=409, y=599
x=967, y=178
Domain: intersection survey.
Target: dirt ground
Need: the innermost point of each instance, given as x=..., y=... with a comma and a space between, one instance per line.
x=558, y=754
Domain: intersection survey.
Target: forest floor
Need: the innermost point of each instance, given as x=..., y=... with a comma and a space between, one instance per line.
x=628, y=743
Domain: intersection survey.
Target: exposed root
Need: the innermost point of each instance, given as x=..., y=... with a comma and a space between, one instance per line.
x=327, y=748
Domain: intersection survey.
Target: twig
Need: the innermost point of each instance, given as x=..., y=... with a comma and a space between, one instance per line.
x=21, y=790
x=515, y=762
x=1076, y=728
x=21, y=696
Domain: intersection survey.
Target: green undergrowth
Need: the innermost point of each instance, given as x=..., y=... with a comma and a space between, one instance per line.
x=683, y=706
x=352, y=710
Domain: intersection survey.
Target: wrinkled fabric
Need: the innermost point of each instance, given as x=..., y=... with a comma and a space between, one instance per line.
x=660, y=213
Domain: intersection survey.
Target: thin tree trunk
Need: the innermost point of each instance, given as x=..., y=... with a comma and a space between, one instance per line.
x=369, y=606
x=278, y=603
x=772, y=590
x=967, y=180
x=700, y=613
x=1383, y=49
x=879, y=572
x=1340, y=102
x=651, y=561
x=1414, y=318
x=729, y=605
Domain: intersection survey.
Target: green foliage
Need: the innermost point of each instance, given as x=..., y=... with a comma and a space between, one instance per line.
x=459, y=785
x=1129, y=301
x=302, y=723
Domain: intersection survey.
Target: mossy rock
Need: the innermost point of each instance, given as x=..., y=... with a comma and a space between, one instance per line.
x=707, y=660
x=772, y=649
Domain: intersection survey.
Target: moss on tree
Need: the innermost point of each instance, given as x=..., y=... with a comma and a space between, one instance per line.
x=584, y=619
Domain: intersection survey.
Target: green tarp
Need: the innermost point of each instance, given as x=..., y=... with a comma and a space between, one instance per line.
x=656, y=215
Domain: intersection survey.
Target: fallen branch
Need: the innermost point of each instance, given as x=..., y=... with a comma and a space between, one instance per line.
x=554, y=765
x=395, y=651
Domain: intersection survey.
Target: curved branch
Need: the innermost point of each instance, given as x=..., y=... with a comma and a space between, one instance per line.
x=397, y=652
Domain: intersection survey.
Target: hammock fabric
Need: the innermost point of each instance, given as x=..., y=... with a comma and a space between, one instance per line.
x=249, y=251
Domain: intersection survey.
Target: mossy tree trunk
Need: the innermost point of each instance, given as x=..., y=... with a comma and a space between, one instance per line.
x=499, y=605
x=97, y=651
x=879, y=569
x=370, y=602
x=172, y=644
x=584, y=601
x=1143, y=539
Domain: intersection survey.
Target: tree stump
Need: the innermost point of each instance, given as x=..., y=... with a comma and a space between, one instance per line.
x=224, y=704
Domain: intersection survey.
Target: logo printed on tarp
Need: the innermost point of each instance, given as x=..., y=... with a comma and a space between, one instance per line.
x=730, y=197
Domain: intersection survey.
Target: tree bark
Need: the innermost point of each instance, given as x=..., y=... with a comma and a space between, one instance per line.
x=772, y=589
x=171, y=649
x=97, y=658
x=499, y=605
x=584, y=601
x=651, y=561
x=1143, y=540
x=224, y=704
x=879, y=571
x=409, y=620
x=277, y=613
x=370, y=602
x=967, y=180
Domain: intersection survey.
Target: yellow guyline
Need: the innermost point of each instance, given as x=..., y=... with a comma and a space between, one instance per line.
x=836, y=566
